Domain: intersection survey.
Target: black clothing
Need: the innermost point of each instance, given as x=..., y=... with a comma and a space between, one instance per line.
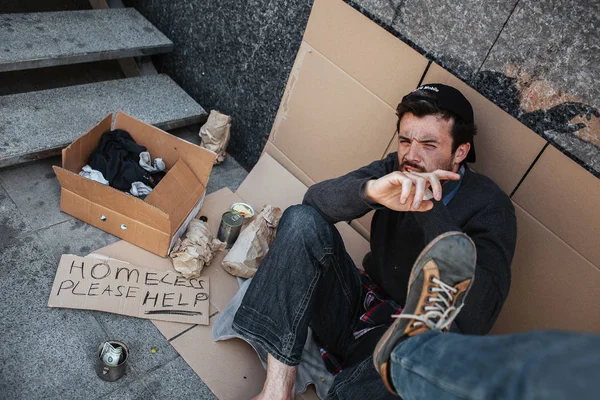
x=480, y=209
x=118, y=158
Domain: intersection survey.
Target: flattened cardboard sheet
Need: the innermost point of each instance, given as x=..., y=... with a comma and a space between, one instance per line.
x=285, y=162
x=553, y=287
x=114, y=286
x=223, y=365
x=564, y=197
x=385, y=65
x=329, y=124
x=231, y=369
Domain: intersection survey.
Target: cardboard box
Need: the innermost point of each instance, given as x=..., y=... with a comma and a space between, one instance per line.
x=156, y=222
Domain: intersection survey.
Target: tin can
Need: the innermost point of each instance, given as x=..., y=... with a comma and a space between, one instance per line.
x=244, y=209
x=112, y=373
x=229, y=230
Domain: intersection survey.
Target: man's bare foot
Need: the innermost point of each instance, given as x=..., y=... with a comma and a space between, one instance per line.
x=280, y=383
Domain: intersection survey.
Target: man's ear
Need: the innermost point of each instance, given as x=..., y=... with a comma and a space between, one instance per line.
x=461, y=152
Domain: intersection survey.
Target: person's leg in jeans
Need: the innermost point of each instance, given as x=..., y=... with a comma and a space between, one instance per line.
x=307, y=278
x=359, y=381
x=533, y=365
x=438, y=285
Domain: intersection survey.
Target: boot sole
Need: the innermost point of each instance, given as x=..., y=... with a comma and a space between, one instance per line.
x=389, y=339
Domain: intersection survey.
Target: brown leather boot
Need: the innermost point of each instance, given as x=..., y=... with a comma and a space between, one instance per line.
x=437, y=288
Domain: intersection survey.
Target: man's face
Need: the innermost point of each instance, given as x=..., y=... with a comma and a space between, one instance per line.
x=425, y=144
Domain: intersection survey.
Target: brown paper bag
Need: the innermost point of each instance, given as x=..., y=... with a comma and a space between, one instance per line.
x=214, y=134
x=253, y=244
x=196, y=250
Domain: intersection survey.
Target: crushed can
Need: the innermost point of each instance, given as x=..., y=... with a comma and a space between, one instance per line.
x=114, y=370
x=230, y=228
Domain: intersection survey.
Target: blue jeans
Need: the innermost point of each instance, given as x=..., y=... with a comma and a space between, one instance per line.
x=533, y=365
x=308, y=279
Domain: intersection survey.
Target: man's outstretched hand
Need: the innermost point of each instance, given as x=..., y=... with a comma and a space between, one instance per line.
x=404, y=191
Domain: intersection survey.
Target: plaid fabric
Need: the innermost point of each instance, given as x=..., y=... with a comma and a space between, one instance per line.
x=378, y=311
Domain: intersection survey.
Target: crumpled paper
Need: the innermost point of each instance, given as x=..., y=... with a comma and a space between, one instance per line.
x=214, y=134
x=253, y=243
x=196, y=250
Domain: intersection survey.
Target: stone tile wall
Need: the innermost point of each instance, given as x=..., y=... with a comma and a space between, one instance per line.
x=233, y=56
x=538, y=60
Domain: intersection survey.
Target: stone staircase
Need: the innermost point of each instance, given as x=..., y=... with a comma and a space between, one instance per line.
x=38, y=124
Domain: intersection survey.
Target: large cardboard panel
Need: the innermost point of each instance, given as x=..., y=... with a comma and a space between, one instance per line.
x=270, y=182
x=285, y=162
x=553, y=286
x=564, y=197
x=170, y=148
x=118, y=287
x=505, y=147
x=231, y=369
x=374, y=57
x=329, y=124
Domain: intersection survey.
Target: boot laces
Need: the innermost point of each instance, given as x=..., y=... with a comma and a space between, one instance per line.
x=441, y=314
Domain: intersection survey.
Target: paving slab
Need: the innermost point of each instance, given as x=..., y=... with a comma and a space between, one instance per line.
x=45, y=353
x=32, y=80
x=74, y=237
x=33, y=333
x=36, y=40
x=36, y=192
x=140, y=335
x=12, y=222
x=36, y=124
x=227, y=174
x=176, y=380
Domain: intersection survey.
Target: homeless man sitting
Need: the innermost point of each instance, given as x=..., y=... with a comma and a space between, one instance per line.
x=308, y=278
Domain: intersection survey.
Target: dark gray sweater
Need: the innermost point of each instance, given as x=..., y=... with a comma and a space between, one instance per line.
x=480, y=209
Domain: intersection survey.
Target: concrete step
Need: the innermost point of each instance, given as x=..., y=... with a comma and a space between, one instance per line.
x=36, y=40
x=35, y=125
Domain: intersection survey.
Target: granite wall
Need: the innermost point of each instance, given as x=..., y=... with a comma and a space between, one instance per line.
x=233, y=56
x=536, y=59
x=539, y=60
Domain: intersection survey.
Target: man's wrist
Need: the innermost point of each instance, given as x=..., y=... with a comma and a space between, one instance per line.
x=365, y=194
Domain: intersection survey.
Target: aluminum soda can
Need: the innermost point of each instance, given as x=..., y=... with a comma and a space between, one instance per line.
x=229, y=230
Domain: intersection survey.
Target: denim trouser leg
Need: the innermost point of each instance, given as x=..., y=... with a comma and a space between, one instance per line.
x=306, y=279
x=360, y=382
x=533, y=365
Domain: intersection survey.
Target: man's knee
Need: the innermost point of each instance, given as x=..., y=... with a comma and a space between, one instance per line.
x=304, y=222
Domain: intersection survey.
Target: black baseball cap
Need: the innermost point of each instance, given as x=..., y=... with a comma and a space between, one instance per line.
x=446, y=98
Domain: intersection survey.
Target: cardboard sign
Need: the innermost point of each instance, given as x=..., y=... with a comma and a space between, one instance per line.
x=114, y=286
